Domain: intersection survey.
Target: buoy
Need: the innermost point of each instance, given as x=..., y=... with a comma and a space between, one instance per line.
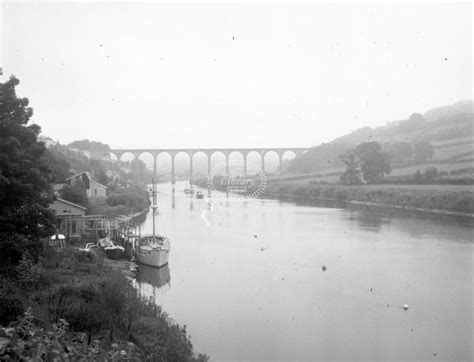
x=324, y=268
x=405, y=306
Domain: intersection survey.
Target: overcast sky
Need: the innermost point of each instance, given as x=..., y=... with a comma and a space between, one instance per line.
x=233, y=75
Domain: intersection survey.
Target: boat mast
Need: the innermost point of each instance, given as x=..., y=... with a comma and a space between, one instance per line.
x=153, y=192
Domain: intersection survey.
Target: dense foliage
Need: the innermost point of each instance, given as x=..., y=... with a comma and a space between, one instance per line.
x=75, y=193
x=98, y=148
x=351, y=175
x=78, y=307
x=122, y=201
x=374, y=163
x=59, y=166
x=25, y=177
x=368, y=159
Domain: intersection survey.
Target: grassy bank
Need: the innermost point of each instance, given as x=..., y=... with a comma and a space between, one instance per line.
x=404, y=196
x=124, y=201
x=76, y=307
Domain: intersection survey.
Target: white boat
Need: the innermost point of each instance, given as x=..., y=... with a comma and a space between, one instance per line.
x=152, y=250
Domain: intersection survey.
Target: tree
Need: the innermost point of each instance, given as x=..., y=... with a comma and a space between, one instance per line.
x=100, y=174
x=431, y=174
x=352, y=174
x=401, y=151
x=25, y=191
x=75, y=193
x=374, y=162
x=418, y=176
x=58, y=164
x=423, y=151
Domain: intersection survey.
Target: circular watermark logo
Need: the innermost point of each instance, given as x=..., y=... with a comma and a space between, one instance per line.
x=236, y=181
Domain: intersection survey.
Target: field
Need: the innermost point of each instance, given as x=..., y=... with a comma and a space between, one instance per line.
x=450, y=155
x=437, y=198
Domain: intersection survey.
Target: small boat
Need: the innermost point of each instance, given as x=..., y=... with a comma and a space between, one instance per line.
x=152, y=250
x=188, y=190
x=199, y=195
x=112, y=251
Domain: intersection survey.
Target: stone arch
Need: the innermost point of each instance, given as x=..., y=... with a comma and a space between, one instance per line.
x=255, y=158
x=200, y=163
x=265, y=160
x=120, y=157
x=213, y=154
x=286, y=158
x=149, y=155
x=163, y=165
x=236, y=152
x=114, y=156
x=181, y=166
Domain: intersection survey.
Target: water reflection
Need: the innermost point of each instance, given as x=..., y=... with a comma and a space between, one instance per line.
x=367, y=219
x=156, y=277
x=255, y=270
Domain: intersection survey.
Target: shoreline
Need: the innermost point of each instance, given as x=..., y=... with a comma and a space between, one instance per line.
x=281, y=197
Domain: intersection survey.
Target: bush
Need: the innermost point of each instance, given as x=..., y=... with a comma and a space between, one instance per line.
x=97, y=302
x=11, y=304
x=122, y=202
x=27, y=341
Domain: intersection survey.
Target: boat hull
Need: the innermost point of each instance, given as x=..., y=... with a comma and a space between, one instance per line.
x=155, y=258
x=114, y=253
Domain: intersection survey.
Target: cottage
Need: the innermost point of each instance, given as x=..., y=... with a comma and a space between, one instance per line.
x=94, y=189
x=70, y=217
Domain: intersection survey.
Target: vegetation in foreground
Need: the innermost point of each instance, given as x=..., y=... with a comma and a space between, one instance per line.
x=74, y=306
x=431, y=199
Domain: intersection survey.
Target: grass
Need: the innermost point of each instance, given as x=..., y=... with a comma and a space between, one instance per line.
x=122, y=202
x=96, y=303
x=439, y=198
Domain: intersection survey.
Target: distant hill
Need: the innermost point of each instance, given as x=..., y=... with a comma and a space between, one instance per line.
x=449, y=129
x=461, y=107
x=437, y=124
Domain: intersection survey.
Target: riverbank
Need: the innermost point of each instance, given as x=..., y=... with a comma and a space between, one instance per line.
x=125, y=203
x=88, y=309
x=450, y=202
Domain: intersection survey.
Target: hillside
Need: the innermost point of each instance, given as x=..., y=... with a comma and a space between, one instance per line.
x=448, y=129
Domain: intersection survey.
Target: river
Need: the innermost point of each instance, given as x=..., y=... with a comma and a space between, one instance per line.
x=274, y=280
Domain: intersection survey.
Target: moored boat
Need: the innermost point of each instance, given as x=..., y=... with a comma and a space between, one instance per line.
x=111, y=250
x=114, y=252
x=152, y=250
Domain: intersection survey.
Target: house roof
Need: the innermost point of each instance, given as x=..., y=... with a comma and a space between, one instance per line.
x=88, y=175
x=71, y=203
x=79, y=174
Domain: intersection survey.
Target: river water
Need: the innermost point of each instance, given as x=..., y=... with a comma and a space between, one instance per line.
x=247, y=280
